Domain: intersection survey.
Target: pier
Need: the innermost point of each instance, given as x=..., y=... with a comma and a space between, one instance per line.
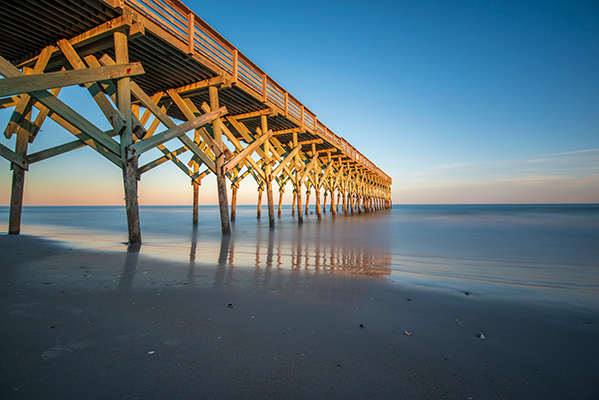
x=157, y=64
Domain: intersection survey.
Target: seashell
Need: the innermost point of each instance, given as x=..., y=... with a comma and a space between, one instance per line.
x=407, y=333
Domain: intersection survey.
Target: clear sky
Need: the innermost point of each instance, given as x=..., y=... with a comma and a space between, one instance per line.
x=459, y=102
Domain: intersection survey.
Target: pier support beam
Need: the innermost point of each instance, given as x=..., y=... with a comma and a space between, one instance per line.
x=280, y=202
x=233, y=202
x=18, y=183
x=221, y=182
x=259, y=210
x=129, y=166
x=268, y=174
x=196, y=202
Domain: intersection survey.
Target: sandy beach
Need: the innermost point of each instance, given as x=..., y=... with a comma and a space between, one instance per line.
x=115, y=324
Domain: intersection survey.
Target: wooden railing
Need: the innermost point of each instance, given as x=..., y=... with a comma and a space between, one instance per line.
x=181, y=22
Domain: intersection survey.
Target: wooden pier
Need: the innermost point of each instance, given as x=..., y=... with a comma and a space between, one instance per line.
x=148, y=63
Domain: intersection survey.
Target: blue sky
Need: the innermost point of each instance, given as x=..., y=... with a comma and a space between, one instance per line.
x=459, y=102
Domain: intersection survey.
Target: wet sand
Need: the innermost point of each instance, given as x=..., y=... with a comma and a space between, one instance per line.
x=105, y=324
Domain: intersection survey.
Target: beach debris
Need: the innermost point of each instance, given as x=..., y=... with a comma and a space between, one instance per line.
x=151, y=352
x=458, y=322
x=409, y=299
x=230, y=305
x=481, y=335
x=218, y=338
x=467, y=293
x=407, y=333
x=361, y=325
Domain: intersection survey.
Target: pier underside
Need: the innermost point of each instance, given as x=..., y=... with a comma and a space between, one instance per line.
x=153, y=65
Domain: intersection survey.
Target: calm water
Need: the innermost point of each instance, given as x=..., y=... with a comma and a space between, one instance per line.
x=542, y=253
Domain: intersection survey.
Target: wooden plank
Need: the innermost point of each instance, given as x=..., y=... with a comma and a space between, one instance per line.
x=254, y=114
x=14, y=157
x=285, y=161
x=18, y=184
x=29, y=83
x=144, y=145
x=18, y=114
x=63, y=110
x=9, y=102
x=246, y=152
x=291, y=130
x=194, y=88
x=190, y=32
x=60, y=149
x=100, y=32
x=190, y=111
x=169, y=156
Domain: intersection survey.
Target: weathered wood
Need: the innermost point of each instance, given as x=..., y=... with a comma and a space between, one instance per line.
x=220, y=160
x=233, y=202
x=64, y=111
x=268, y=174
x=241, y=156
x=170, y=155
x=191, y=112
x=18, y=184
x=24, y=100
x=286, y=161
x=103, y=31
x=58, y=150
x=129, y=164
x=142, y=146
x=259, y=211
x=196, y=202
x=13, y=157
x=318, y=208
x=280, y=202
x=254, y=114
x=30, y=83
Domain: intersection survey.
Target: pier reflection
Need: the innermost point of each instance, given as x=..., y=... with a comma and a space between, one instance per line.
x=268, y=252
x=259, y=260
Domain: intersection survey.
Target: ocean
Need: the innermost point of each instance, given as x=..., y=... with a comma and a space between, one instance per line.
x=541, y=254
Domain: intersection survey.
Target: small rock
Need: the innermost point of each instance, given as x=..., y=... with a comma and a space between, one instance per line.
x=230, y=305
x=151, y=352
x=361, y=325
x=481, y=335
x=467, y=293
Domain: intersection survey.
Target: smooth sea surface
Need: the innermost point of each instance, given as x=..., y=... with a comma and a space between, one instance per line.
x=541, y=254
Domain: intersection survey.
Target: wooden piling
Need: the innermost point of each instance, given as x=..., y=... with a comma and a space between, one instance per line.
x=18, y=183
x=129, y=165
x=318, y=209
x=300, y=212
x=280, y=202
x=268, y=174
x=220, y=176
x=233, y=202
x=196, y=202
x=293, y=204
x=259, y=213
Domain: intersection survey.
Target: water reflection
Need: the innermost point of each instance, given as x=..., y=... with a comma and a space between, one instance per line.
x=131, y=260
x=270, y=251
